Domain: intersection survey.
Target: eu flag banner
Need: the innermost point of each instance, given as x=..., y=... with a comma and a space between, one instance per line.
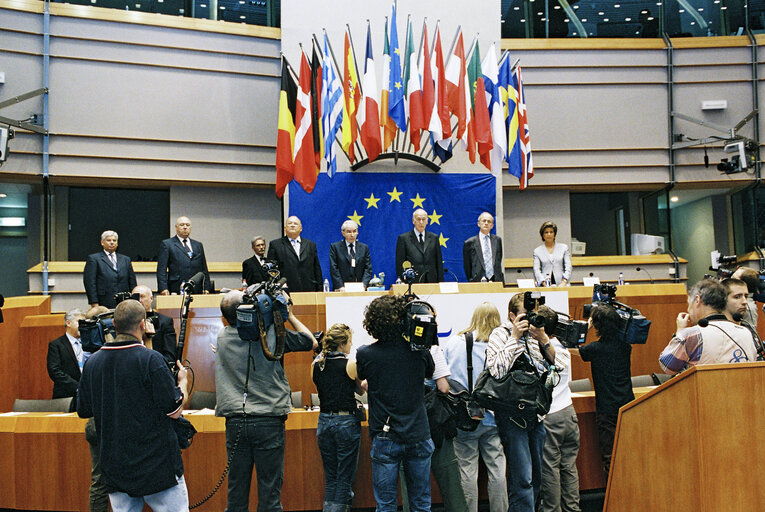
x=382, y=204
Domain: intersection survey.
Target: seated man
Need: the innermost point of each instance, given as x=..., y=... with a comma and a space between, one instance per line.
x=66, y=357
x=714, y=338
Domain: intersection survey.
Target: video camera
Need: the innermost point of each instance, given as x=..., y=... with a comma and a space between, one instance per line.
x=93, y=331
x=633, y=325
x=261, y=315
x=420, y=327
x=571, y=333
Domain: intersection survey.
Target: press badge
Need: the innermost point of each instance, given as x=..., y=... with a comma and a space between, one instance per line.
x=353, y=262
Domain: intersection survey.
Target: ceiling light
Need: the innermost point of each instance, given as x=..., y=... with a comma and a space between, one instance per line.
x=681, y=11
x=627, y=19
x=584, y=20
x=605, y=19
x=601, y=13
x=203, y=5
x=3, y=195
x=523, y=20
x=556, y=7
x=674, y=199
x=617, y=6
x=566, y=20
x=243, y=17
x=701, y=9
x=516, y=8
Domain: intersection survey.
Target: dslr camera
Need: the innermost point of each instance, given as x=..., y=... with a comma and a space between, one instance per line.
x=571, y=333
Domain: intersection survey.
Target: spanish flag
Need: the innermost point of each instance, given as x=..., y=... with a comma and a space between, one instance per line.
x=285, y=139
x=351, y=99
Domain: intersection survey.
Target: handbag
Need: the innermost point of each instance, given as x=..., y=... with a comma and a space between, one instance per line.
x=467, y=413
x=522, y=393
x=440, y=416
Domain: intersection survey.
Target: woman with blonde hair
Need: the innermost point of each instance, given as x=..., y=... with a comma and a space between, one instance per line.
x=339, y=430
x=484, y=441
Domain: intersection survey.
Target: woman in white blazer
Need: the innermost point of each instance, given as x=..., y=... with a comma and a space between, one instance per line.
x=551, y=259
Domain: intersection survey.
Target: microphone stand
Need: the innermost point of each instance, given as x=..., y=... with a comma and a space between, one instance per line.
x=638, y=269
x=187, y=299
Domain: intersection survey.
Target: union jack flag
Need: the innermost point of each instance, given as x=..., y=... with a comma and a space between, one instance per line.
x=527, y=165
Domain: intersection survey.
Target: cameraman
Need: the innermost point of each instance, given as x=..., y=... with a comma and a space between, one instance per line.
x=253, y=394
x=133, y=397
x=715, y=339
x=611, y=360
x=398, y=423
x=523, y=442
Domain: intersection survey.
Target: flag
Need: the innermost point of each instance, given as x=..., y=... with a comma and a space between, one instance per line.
x=368, y=110
x=285, y=137
x=382, y=203
x=527, y=166
x=332, y=108
x=389, y=127
x=395, y=83
x=481, y=122
x=305, y=163
x=510, y=92
x=413, y=91
x=428, y=88
x=351, y=98
x=455, y=85
x=496, y=110
x=439, y=127
x=318, y=140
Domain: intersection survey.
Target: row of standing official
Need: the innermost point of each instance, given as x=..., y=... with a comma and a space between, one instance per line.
x=180, y=257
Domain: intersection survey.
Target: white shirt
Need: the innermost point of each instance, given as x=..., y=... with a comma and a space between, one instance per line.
x=77, y=347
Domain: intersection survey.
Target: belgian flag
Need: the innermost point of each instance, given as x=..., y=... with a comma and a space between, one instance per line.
x=285, y=140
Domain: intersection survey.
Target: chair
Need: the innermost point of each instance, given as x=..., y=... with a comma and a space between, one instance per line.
x=297, y=399
x=660, y=378
x=641, y=381
x=202, y=400
x=579, y=385
x=315, y=400
x=52, y=405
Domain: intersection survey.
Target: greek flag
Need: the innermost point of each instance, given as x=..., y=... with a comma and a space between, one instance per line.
x=332, y=108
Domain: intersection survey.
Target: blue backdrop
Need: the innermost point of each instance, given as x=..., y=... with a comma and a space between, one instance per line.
x=382, y=205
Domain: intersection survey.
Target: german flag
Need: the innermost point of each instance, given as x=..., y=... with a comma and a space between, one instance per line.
x=285, y=140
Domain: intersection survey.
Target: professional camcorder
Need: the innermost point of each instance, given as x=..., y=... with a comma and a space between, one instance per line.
x=633, y=326
x=93, y=331
x=571, y=333
x=420, y=327
x=262, y=313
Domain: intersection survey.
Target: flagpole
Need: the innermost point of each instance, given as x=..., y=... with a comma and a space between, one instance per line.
x=422, y=85
x=318, y=48
x=451, y=50
x=408, y=66
x=359, y=147
x=406, y=97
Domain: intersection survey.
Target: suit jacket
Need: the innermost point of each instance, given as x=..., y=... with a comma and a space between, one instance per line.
x=472, y=259
x=174, y=265
x=427, y=262
x=164, y=340
x=557, y=264
x=303, y=274
x=102, y=281
x=63, y=368
x=252, y=271
x=340, y=264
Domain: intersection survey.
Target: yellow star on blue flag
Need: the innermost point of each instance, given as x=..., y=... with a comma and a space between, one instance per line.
x=372, y=201
x=417, y=201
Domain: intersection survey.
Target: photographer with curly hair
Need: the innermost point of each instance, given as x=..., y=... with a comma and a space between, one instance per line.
x=398, y=423
x=339, y=429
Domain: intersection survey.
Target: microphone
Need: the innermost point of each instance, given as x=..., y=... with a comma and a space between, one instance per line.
x=195, y=285
x=703, y=322
x=646, y=271
x=737, y=317
x=521, y=272
x=446, y=270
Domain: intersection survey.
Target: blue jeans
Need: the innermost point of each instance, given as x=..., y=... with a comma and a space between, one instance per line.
x=173, y=499
x=261, y=444
x=339, y=438
x=523, y=451
x=386, y=456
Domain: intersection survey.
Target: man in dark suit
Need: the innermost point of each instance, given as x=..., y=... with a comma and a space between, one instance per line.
x=252, y=268
x=422, y=249
x=107, y=273
x=303, y=272
x=66, y=357
x=180, y=258
x=349, y=259
x=164, y=339
x=482, y=254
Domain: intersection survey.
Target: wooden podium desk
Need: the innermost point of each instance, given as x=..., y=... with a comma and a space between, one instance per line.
x=45, y=461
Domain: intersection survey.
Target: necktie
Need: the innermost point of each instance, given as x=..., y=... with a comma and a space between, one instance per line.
x=352, y=251
x=296, y=246
x=187, y=247
x=78, y=352
x=422, y=240
x=113, y=259
x=488, y=265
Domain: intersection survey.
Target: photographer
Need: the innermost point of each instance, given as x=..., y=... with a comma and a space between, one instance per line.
x=133, y=397
x=714, y=338
x=339, y=428
x=253, y=394
x=522, y=441
x=164, y=340
x=398, y=424
x=610, y=357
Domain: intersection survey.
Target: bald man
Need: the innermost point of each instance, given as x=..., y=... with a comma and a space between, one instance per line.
x=180, y=258
x=297, y=258
x=422, y=249
x=164, y=340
